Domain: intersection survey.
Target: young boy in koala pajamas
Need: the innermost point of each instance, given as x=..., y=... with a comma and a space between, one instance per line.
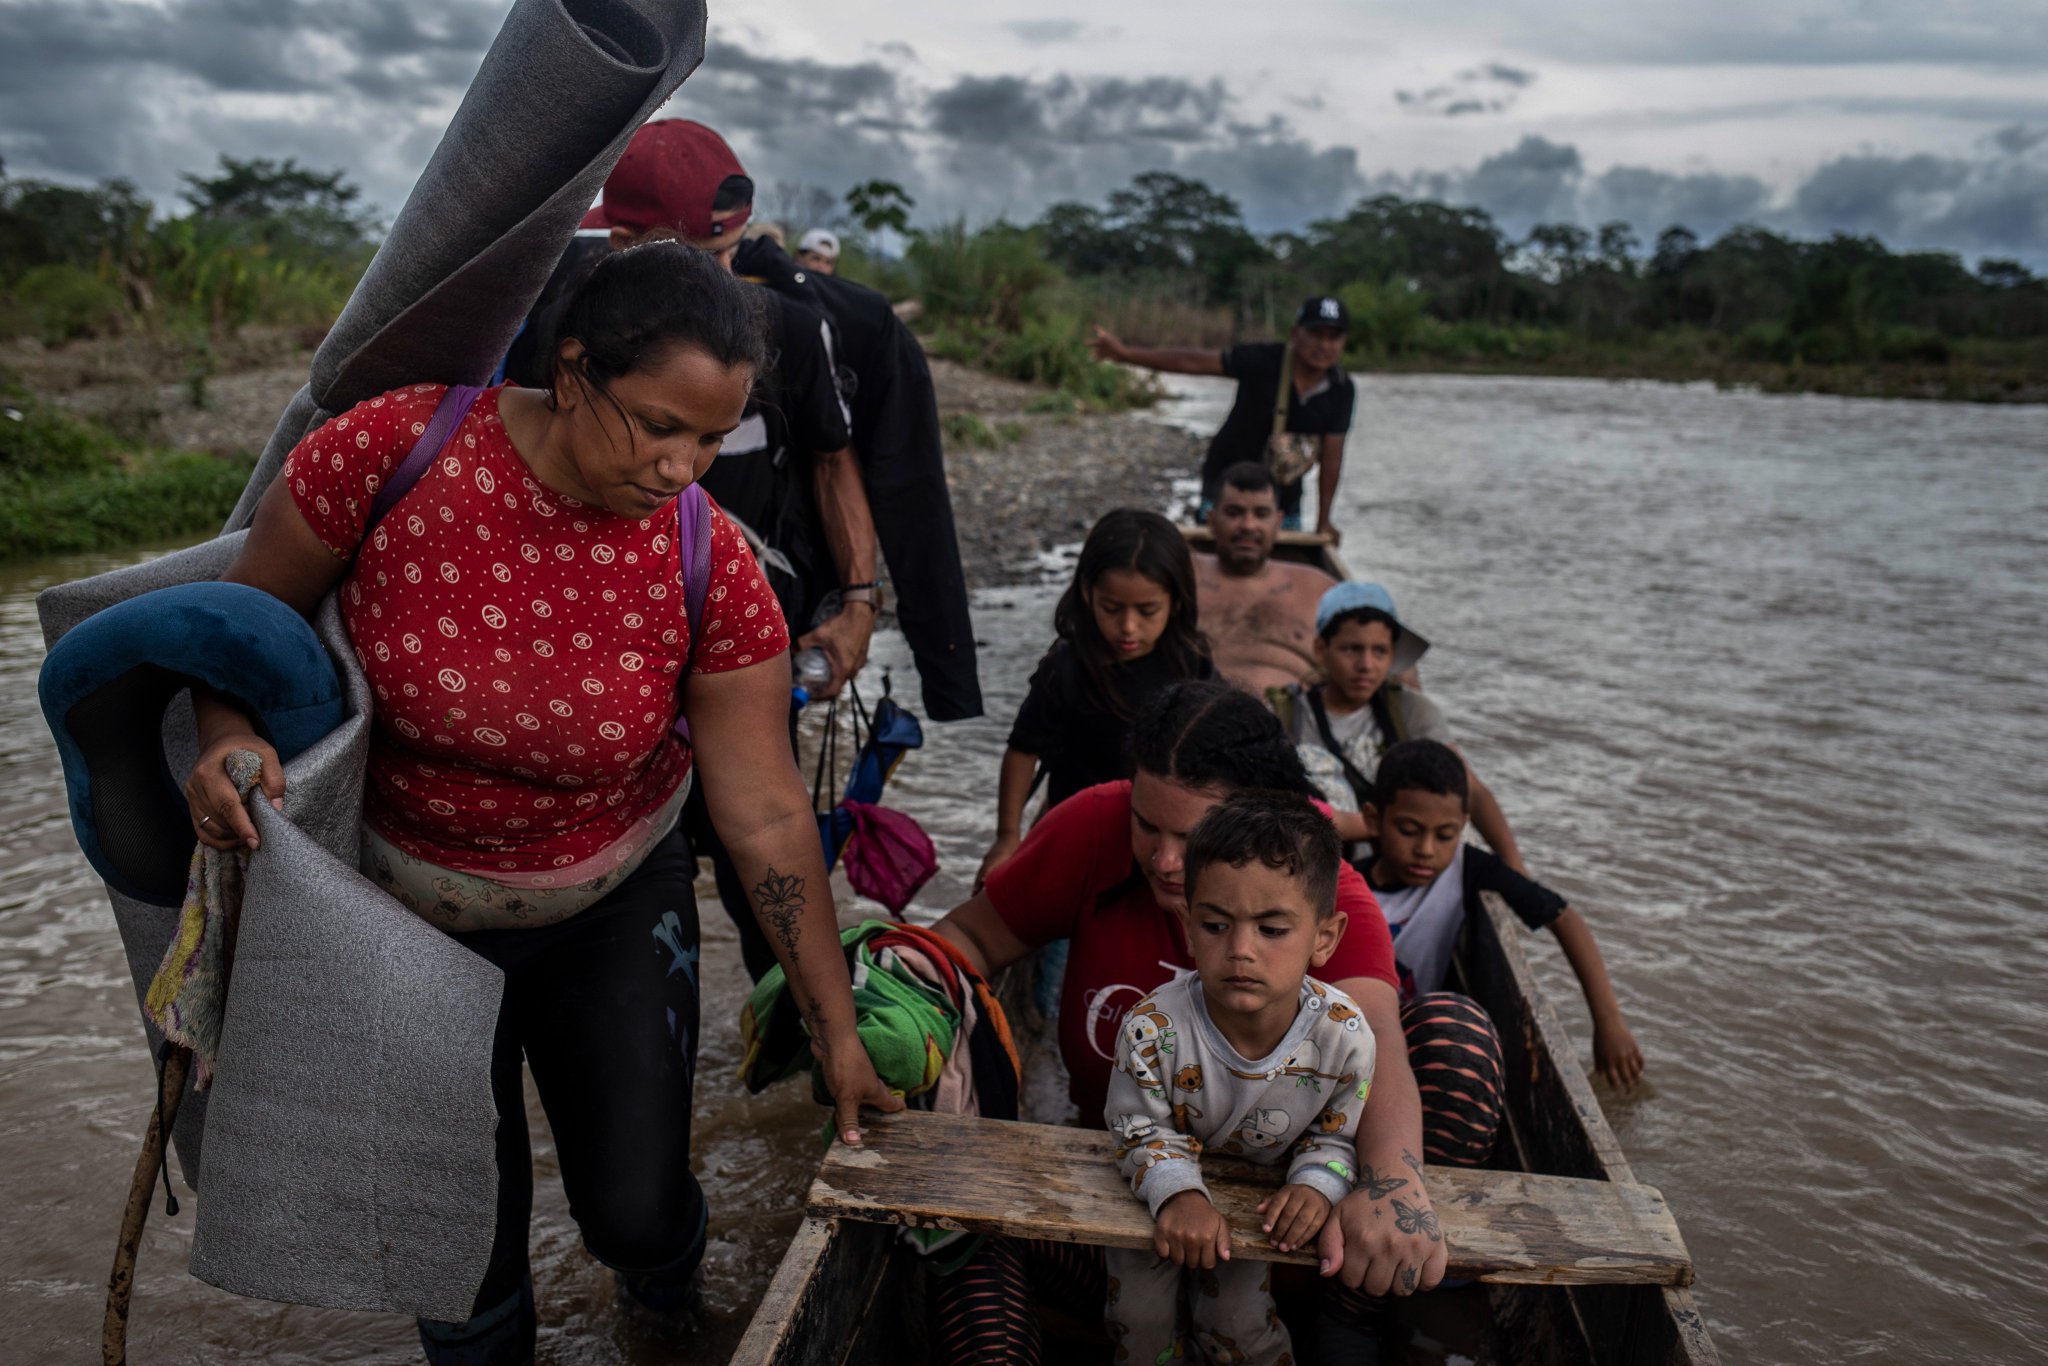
x=1248, y=1056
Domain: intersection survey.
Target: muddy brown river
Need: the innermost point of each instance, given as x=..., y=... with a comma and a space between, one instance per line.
x=1760, y=682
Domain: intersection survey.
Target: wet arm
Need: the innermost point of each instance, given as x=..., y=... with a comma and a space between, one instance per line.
x=849, y=527
x=1614, y=1047
x=1364, y=1242
x=1179, y=360
x=1329, y=466
x=1392, y=1120
x=285, y=558
x=739, y=722
x=1013, y=791
x=978, y=930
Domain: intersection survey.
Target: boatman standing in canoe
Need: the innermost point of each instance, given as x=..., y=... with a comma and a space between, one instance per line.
x=1308, y=433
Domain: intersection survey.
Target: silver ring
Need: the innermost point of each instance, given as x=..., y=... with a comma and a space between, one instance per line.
x=205, y=820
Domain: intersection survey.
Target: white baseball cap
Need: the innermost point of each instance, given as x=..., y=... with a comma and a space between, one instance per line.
x=818, y=240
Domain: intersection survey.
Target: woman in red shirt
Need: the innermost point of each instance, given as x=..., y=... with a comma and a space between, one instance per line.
x=1104, y=868
x=520, y=616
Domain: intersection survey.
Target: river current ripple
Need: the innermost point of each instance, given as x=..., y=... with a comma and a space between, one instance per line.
x=1759, y=681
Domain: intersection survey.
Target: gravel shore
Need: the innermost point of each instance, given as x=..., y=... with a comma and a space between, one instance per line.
x=1050, y=475
x=1025, y=475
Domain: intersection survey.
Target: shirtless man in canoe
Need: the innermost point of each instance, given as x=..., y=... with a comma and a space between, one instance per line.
x=1259, y=612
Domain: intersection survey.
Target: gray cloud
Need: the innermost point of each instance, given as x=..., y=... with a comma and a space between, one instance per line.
x=1488, y=89
x=1653, y=200
x=2017, y=139
x=793, y=119
x=1046, y=30
x=1988, y=33
x=994, y=110
x=1536, y=181
x=93, y=88
x=1008, y=145
x=1995, y=205
x=1998, y=206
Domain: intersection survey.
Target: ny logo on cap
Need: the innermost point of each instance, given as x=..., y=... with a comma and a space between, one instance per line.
x=1329, y=308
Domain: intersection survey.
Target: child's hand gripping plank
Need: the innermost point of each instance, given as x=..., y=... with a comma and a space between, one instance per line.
x=1190, y=1232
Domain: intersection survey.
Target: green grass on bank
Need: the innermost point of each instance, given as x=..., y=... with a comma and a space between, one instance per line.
x=66, y=485
x=992, y=300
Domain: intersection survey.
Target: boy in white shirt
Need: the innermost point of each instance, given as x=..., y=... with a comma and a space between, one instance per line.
x=1248, y=1056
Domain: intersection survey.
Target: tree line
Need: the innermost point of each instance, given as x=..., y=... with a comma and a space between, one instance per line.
x=1405, y=264
x=259, y=241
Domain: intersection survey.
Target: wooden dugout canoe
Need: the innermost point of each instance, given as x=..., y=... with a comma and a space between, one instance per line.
x=846, y=1293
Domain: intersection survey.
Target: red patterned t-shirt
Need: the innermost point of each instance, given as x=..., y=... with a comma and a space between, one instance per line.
x=523, y=646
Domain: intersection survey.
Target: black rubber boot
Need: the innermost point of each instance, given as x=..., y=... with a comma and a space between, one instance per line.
x=502, y=1335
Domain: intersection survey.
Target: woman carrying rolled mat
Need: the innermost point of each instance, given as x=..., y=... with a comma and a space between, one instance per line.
x=520, y=614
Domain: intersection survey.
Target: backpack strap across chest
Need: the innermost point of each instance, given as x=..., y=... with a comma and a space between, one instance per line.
x=693, y=517
x=448, y=414
x=693, y=544
x=1361, y=786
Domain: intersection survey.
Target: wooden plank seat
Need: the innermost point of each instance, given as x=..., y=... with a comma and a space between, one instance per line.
x=1042, y=1181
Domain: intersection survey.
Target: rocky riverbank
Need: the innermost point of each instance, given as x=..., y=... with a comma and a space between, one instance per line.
x=1028, y=475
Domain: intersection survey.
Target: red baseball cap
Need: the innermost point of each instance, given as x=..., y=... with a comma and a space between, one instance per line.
x=669, y=178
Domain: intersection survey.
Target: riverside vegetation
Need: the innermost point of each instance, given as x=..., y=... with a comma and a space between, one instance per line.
x=97, y=287
x=1433, y=286
x=95, y=284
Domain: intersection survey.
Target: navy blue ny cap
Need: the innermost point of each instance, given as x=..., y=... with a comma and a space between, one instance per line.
x=1325, y=310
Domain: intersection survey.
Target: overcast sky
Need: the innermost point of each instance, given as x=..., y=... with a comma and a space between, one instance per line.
x=1923, y=123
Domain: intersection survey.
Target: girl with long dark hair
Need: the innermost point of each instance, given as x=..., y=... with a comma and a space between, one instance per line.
x=1126, y=629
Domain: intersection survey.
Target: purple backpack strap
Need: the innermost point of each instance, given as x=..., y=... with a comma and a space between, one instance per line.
x=448, y=415
x=693, y=543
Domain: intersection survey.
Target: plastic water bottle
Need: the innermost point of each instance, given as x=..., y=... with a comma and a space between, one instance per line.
x=813, y=669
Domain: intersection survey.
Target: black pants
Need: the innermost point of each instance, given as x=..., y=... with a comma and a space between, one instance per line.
x=604, y=1008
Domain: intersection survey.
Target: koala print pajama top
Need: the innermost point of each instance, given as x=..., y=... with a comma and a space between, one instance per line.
x=1180, y=1090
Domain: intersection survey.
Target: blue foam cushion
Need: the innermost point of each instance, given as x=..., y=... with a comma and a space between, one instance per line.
x=106, y=685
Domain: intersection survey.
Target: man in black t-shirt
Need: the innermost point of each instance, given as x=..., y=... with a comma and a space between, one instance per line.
x=888, y=385
x=1319, y=403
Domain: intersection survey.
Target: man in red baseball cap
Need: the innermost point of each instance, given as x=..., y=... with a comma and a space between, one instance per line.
x=676, y=176
x=679, y=178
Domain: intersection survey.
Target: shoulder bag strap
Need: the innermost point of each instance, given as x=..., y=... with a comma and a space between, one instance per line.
x=1361, y=786
x=1286, y=390
x=1385, y=716
x=448, y=414
x=693, y=544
